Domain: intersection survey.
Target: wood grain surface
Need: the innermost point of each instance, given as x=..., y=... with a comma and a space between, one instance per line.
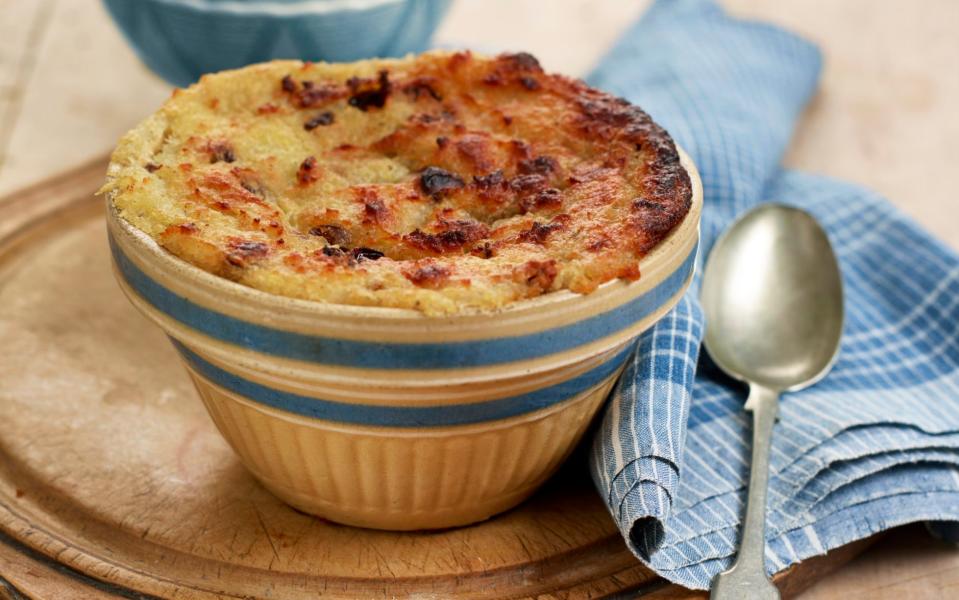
x=885, y=117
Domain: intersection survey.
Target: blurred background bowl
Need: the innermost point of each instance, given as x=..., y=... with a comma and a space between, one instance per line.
x=180, y=40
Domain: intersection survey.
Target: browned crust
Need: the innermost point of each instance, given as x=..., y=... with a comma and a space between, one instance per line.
x=556, y=184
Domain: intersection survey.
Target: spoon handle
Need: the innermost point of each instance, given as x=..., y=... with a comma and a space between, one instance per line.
x=747, y=577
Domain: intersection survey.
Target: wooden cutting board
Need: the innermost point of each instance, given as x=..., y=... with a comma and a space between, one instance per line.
x=114, y=482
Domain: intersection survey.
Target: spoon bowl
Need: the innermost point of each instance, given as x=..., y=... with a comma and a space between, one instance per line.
x=772, y=296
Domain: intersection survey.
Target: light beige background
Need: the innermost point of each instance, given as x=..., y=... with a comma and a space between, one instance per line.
x=886, y=116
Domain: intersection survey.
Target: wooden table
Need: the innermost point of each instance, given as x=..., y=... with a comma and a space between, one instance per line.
x=885, y=116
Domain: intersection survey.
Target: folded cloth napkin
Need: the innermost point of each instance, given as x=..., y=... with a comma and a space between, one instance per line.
x=872, y=446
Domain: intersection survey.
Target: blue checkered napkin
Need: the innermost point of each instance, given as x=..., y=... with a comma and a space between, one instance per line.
x=875, y=444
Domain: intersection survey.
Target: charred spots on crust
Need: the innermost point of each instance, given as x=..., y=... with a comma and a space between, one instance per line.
x=641, y=204
x=538, y=232
x=515, y=67
x=490, y=180
x=652, y=219
x=666, y=186
x=541, y=165
x=241, y=252
x=374, y=209
x=484, y=250
x=529, y=83
x=422, y=86
x=608, y=118
x=313, y=95
x=492, y=186
x=671, y=182
x=417, y=126
x=654, y=141
x=249, y=182
x=428, y=275
x=605, y=111
x=361, y=254
x=650, y=222
x=667, y=189
x=549, y=199
x=525, y=184
x=538, y=275
x=453, y=236
x=308, y=94
x=605, y=117
x=649, y=137
x=435, y=181
x=152, y=167
x=253, y=187
x=493, y=79
x=306, y=173
x=223, y=192
x=333, y=234
x=346, y=256
x=322, y=119
x=442, y=141
x=523, y=61
x=425, y=118
x=367, y=94
x=221, y=151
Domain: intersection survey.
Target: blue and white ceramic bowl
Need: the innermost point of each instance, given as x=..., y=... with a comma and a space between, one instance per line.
x=182, y=39
x=387, y=418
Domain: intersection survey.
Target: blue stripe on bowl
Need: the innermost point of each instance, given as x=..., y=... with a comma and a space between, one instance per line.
x=403, y=416
x=394, y=355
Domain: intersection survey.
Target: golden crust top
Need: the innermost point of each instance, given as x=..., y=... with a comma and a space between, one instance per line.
x=445, y=182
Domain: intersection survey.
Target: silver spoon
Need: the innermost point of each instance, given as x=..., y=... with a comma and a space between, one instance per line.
x=772, y=295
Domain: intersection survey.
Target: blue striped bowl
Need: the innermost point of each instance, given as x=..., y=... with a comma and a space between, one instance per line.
x=180, y=40
x=387, y=418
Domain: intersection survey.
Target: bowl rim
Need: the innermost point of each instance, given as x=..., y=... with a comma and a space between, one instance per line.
x=292, y=8
x=292, y=313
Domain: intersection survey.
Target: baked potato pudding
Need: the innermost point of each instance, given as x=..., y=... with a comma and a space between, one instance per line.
x=444, y=182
